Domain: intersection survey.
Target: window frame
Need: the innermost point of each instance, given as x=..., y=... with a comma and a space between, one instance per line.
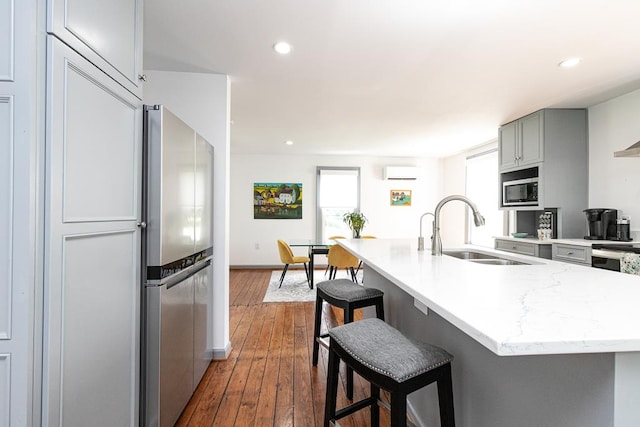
x=319, y=169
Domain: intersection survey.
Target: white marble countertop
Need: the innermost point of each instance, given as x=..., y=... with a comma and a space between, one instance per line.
x=547, y=307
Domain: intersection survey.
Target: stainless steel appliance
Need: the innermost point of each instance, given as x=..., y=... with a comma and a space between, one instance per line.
x=623, y=229
x=520, y=192
x=608, y=256
x=176, y=257
x=601, y=224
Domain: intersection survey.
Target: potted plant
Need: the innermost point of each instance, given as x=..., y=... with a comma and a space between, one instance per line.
x=355, y=220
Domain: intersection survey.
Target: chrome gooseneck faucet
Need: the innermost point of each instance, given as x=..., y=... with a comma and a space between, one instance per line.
x=420, y=238
x=436, y=243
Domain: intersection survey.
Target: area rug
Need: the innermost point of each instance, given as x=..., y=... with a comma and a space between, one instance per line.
x=295, y=287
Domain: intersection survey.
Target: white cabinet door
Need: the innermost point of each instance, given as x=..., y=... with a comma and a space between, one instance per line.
x=7, y=40
x=91, y=285
x=107, y=33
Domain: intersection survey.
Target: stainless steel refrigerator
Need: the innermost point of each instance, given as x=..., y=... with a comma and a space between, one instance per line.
x=176, y=257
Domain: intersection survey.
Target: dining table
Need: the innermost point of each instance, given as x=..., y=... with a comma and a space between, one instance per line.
x=315, y=247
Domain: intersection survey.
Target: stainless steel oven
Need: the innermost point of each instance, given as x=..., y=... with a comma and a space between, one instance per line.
x=608, y=256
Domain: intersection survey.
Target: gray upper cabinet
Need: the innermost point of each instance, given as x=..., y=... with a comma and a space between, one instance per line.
x=107, y=33
x=521, y=142
x=552, y=145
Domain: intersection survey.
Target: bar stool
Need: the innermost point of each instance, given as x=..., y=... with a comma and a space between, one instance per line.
x=348, y=296
x=387, y=359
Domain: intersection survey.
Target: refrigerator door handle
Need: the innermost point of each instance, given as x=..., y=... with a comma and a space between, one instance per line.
x=185, y=274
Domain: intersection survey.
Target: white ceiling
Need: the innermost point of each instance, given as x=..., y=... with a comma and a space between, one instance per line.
x=395, y=77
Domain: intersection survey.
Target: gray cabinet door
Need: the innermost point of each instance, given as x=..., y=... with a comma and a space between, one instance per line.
x=520, y=142
x=107, y=33
x=531, y=144
x=508, y=136
x=91, y=281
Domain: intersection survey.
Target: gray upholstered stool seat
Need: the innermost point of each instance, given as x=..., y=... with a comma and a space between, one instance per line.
x=347, y=290
x=345, y=294
x=387, y=359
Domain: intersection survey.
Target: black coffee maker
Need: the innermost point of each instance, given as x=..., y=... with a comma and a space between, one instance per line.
x=601, y=224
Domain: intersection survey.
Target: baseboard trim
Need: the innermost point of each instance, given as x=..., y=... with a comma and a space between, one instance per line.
x=222, y=353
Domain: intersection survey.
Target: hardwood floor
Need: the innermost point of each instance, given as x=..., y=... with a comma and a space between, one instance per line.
x=268, y=378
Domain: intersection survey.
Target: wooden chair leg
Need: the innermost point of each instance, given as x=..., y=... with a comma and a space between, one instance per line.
x=380, y=309
x=316, y=330
x=398, y=409
x=284, y=271
x=348, y=318
x=333, y=369
x=375, y=409
x=445, y=397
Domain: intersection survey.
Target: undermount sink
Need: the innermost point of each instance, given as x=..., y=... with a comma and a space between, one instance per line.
x=469, y=255
x=482, y=258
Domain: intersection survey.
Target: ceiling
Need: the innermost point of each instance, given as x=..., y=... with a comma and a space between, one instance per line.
x=394, y=77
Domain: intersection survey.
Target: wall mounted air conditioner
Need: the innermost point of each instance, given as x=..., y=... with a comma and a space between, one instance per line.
x=400, y=172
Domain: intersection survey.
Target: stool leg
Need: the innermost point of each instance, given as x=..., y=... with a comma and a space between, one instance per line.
x=348, y=318
x=316, y=329
x=380, y=309
x=445, y=397
x=398, y=409
x=375, y=409
x=333, y=369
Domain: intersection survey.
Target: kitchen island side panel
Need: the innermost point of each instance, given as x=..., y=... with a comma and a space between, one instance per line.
x=503, y=391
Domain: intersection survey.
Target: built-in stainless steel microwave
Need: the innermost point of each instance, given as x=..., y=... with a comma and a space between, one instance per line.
x=521, y=192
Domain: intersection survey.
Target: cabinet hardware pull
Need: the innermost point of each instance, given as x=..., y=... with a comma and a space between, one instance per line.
x=142, y=77
x=570, y=253
x=142, y=224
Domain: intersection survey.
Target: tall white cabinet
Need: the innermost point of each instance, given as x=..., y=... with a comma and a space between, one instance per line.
x=91, y=288
x=70, y=151
x=21, y=106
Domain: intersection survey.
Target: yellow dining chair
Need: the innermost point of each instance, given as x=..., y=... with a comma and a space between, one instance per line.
x=332, y=238
x=340, y=258
x=287, y=257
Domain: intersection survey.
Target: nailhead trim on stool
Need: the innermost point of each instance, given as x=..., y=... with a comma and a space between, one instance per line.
x=345, y=294
x=387, y=359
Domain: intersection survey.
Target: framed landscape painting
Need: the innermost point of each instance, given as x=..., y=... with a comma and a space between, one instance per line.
x=277, y=200
x=400, y=197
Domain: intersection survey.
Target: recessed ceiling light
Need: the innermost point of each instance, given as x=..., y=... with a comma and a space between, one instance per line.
x=288, y=142
x=282, y=48
x=569, y=62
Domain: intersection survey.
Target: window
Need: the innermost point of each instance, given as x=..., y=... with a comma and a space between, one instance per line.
x=482, y=188
x=338, y=192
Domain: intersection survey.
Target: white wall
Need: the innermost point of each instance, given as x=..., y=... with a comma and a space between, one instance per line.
x=615, y=182
x=202, y=101
x=385, y=221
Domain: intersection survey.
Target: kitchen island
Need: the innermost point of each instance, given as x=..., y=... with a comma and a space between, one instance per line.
x=544, y=344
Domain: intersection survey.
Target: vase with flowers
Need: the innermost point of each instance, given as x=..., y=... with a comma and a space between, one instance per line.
x=356, y=221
